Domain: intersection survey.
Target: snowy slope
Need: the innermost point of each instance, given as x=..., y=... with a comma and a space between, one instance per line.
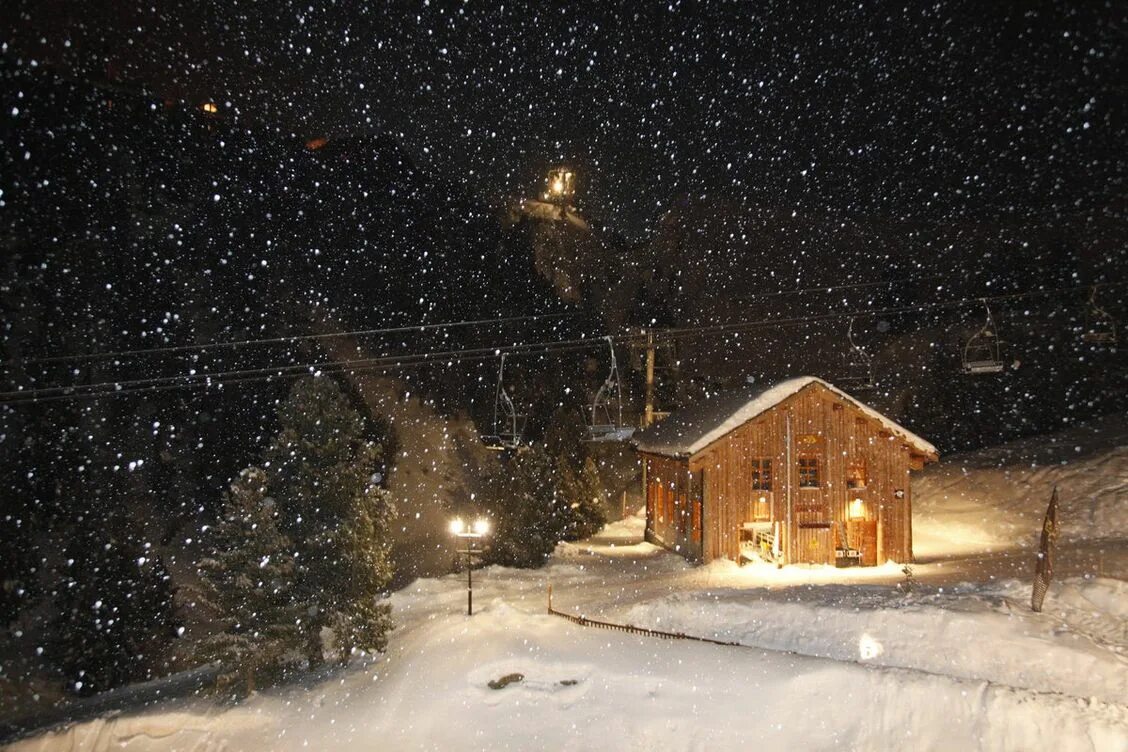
x=997, y=498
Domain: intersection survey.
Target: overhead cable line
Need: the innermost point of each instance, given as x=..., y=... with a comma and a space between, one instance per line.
x=409, y=360
x=204, y=378
x=331, y=369
x=235, y=344
x=678, y=332
x=832, y=288
x=292, y=339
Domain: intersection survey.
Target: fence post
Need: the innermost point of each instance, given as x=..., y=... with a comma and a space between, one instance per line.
x=1044, y=570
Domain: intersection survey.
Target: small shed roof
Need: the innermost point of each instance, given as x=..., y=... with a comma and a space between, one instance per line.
x=688, y=431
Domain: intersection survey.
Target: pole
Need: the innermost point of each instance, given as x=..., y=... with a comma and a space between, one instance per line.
x=788, y=553
x=469, y=577
x=648, y=415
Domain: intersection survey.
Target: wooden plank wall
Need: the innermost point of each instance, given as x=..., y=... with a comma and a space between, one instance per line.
x=838, y=434
x=674, y=505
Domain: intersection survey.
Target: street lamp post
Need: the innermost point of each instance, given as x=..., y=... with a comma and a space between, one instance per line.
x=461, y=530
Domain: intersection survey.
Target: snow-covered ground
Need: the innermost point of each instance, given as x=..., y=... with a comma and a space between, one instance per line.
x=832, y=659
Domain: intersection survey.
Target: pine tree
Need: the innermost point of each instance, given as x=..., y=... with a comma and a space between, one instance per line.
x=250, y=573
x=322, y=473
x=529, y=516
x=582, y=492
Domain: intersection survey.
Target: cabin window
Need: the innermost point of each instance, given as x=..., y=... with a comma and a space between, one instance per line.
x=808, y=472
x=856, y=474
x=762, y=475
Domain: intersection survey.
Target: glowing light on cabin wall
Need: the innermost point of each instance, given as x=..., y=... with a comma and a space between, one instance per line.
x=857, y=509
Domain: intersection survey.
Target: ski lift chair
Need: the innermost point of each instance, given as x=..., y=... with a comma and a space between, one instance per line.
x=1100, y=326
x=606, y=411
x=858, y=368
x=508, y=426
x=981, y=353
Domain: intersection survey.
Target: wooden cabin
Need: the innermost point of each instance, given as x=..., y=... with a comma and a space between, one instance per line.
x=796, y=472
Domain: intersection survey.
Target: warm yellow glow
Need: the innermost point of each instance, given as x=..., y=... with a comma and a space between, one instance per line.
x=481, y=527
x=457, y=526
x=857, y=509
x=210, y=107
x=869, y=648
x=763, y=499
x=561, y=183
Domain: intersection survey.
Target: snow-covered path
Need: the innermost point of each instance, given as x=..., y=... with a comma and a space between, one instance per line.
x=871, y=668
x=833, y=659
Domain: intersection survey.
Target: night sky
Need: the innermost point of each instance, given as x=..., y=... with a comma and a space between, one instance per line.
x=885, y=111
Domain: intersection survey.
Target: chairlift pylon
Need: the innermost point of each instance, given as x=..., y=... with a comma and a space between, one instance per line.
x=508, y=426
x=1100, y=326
x=981, y=352
x=858, y=366
x=605, y=415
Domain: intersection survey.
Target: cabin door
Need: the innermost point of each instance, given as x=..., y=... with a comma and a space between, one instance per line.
x=814, y=518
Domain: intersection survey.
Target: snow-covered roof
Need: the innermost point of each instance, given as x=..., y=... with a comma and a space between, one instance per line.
x=690, y=430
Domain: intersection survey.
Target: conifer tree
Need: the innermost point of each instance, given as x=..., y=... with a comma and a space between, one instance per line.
x=251, y=577
x=528, y=514
x=576, y=475
x=321, y=471
x=582, y=492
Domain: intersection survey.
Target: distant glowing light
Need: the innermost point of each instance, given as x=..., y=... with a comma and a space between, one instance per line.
x=561, y=183
x=210, y=107
x=869, y=648
x=457, y=526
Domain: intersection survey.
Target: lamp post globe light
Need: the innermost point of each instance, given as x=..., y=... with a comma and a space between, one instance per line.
x=470, y=534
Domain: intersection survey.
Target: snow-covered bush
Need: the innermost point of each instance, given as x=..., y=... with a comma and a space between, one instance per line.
x=250, y=571
x=320, y=470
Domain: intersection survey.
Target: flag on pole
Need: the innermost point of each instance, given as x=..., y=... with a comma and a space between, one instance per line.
x=1044, y=570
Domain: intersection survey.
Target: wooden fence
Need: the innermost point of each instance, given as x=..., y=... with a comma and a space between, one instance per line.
x=583, y=621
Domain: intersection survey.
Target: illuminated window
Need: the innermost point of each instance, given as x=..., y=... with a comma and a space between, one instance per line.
x=808, y=472
x=856, y=474
x=762, y=475
x=210, y=107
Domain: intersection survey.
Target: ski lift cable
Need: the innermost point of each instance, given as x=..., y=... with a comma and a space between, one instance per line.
x=687, y=332
x=453, y=355
x=329, y=369
x=293, y=339
x=234, y=344
x=833, y=288
x=407, y=360
x=741, y=326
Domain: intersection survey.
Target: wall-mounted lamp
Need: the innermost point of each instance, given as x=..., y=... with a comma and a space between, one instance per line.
x=857, y=509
